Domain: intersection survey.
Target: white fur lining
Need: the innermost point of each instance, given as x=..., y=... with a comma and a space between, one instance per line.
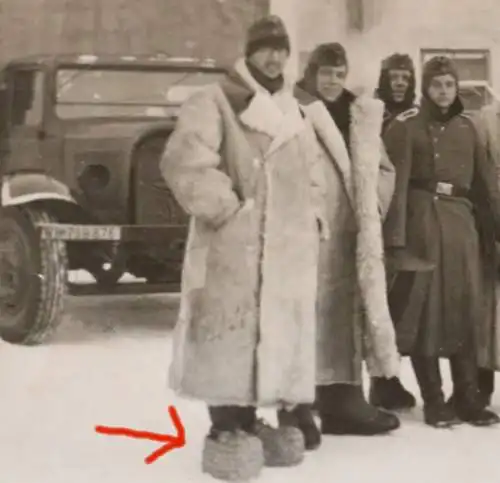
x=277, y=115
x=383, y=357
x=330, y=135
x=262, y=115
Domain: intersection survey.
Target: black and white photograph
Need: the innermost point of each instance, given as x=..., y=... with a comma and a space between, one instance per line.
x=249, y=241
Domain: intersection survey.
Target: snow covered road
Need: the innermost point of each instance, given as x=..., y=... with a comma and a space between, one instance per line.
x=107, y=365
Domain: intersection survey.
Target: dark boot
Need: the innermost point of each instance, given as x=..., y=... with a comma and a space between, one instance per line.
x=390, y=394
x=301, y=417
x=436, y=412
x=486, y=385
x=227, y=418
x=344, y=410
x=466, y=402
x=229, y=453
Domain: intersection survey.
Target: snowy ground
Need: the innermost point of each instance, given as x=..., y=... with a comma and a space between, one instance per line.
x=107, y=365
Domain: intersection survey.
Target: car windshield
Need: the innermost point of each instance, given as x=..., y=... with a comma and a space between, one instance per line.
x=134, y=92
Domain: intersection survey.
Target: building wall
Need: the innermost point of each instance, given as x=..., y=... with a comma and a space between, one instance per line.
x=401, y=25
x=206, y=28
x=289, y=11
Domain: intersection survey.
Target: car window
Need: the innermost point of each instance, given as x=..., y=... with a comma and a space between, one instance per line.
x=118, y=92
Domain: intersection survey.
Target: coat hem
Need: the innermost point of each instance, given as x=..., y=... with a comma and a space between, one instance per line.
x=209, y=401
x=339, y=381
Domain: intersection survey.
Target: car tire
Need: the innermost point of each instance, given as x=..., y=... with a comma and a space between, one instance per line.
x=33, y=277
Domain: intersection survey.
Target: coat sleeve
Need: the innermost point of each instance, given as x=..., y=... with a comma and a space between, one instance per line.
x=486, y=122
x=397, y=144
x=480, y=120
x=386, y=183
x=190, y=163
x=485, y=192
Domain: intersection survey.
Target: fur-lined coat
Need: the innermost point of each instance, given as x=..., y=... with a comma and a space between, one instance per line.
x=249, y=168
x=242, y=163
x=352, y=258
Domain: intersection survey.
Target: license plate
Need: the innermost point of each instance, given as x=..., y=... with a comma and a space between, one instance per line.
x=80, y=232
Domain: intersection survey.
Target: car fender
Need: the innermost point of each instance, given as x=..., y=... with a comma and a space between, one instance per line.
x=22, y=188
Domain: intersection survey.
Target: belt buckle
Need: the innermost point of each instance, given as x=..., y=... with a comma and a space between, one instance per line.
x=444, y=188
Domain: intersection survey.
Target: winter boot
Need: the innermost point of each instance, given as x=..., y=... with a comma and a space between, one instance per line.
x=301, y=417
x=486, y=385
x=437, y=413
x=230, y=453
x=466, y=402
x=344, y=410
x=390, y=394
x=283, y=446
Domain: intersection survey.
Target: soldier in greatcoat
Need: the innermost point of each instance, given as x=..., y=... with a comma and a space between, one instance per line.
x=396, y=89
x=446, y=210
x=396, y=86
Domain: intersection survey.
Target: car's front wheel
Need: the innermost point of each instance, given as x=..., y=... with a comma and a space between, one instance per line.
x=33, y=276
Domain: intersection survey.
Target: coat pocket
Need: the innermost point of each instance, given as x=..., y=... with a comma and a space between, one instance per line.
x=237, y=229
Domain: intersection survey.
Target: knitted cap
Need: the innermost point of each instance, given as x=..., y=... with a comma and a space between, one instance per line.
x=269, y=31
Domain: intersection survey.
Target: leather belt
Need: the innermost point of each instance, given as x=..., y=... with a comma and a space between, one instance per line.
x=440, y=188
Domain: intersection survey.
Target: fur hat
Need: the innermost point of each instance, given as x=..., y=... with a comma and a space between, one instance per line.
x=332, y=54
x=398, y=61
x=269, y=31
x=439, y=65
x=384, y=91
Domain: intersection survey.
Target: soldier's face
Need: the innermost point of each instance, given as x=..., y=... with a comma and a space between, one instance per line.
x=399, y=80
x=330, y=81
x=443, y=90
x=270, y=61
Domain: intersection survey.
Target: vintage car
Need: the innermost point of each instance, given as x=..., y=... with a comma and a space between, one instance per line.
x=81, y=137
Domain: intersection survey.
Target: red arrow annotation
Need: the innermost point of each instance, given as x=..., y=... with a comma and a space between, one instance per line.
x=171, y=442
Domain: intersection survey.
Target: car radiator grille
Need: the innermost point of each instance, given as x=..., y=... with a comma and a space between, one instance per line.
x=154, y=202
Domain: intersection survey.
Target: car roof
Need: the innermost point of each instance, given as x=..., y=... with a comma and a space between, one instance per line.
x=117, y=60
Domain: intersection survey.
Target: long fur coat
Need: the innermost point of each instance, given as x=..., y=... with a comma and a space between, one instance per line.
x=249, y=169
x=352, y=313
x=242, y=163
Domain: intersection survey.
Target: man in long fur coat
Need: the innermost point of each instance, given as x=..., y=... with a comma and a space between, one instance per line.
x=340, y=399
x=245, y=162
